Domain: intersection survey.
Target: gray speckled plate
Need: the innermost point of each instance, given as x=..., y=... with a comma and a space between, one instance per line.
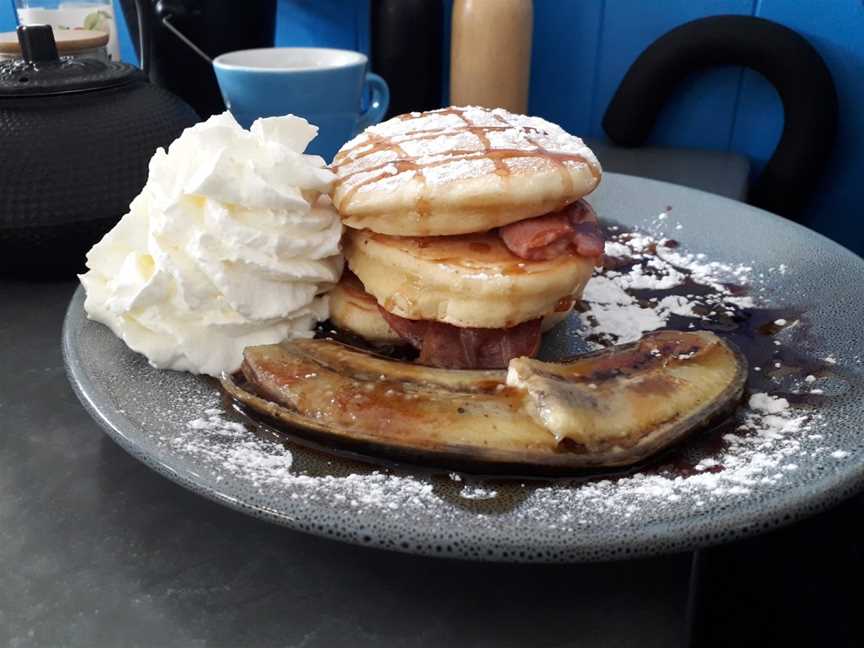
x=147, y=412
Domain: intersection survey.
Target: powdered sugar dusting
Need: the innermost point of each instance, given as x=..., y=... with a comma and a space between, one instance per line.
x=475, y=492
x=231, y=446
x=767, y=442
x=449, y=145
x=761, y=452
x=640, y=261
x=788, y=443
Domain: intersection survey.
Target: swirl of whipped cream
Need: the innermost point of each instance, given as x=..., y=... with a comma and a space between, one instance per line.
x=232, y=242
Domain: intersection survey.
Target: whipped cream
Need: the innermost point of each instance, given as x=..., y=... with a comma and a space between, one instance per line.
x=231, y=243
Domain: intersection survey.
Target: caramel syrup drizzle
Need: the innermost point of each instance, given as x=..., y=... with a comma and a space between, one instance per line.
x=405, y=163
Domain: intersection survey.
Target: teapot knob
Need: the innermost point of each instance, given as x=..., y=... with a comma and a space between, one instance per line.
x=37, y=43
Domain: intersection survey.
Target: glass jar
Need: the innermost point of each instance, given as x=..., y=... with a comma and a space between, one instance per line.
x=95, y=15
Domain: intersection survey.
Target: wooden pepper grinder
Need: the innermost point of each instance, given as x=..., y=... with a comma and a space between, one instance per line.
x=490, y=54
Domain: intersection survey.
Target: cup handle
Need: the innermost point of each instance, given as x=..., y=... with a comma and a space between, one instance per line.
x=378, y=103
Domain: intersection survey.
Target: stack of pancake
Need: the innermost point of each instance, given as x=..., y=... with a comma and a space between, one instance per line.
x=466, y=233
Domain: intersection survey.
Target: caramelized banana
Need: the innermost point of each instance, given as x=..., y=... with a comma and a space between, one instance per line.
x=615, y=407
x=666, y=380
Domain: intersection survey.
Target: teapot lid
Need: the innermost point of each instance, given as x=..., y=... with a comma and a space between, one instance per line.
x=42, y=72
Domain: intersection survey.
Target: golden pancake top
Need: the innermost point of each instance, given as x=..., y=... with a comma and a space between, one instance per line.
x=459, y=170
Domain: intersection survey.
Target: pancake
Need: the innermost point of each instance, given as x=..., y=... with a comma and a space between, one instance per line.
x=457, y=171
x=354, y=310
x=471, y=280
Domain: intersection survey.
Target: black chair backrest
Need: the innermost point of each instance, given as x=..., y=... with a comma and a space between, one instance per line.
x=784, y=57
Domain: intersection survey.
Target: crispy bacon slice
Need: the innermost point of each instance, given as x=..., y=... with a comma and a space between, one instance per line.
x=573, y=229
x=454, y=347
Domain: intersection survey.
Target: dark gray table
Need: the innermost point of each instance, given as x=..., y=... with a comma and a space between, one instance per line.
x=97, y=550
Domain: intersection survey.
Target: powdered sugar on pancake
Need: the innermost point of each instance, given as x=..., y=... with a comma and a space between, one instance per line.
x=452, y=144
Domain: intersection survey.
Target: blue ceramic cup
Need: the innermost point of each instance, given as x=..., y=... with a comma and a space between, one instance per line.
x=323, y=85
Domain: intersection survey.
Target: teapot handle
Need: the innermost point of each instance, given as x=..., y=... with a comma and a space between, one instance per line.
x=166, y=20
x=162, y=10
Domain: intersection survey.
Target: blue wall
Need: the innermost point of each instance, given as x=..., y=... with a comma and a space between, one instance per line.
x=588, y=46
x=582, y=48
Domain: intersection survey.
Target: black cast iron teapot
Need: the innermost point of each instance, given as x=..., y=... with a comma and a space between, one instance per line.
x=76, y=136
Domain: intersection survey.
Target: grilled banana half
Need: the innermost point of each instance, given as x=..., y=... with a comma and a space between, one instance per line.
x=609, y=408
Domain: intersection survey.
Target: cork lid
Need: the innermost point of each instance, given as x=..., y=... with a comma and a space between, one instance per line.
x=68, y=41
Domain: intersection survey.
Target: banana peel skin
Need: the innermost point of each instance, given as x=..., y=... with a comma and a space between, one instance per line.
x=610, y=408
